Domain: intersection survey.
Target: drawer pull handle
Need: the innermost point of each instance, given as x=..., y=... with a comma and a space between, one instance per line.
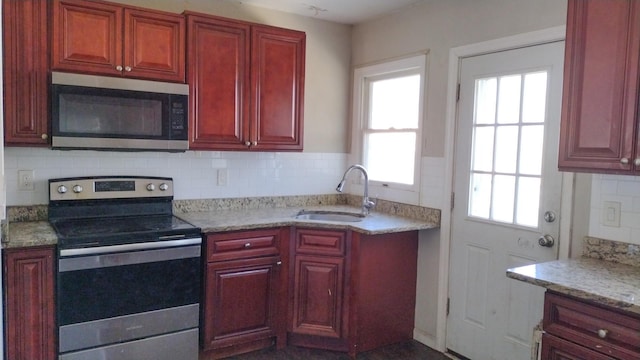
x=602, y=333
x=247, y=245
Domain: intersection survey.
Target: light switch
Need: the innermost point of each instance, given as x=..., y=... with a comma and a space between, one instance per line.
x=611, y=213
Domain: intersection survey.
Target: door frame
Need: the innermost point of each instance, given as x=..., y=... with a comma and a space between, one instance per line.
x=455, y=56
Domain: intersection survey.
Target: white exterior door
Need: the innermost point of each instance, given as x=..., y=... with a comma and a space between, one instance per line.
x=507, y=192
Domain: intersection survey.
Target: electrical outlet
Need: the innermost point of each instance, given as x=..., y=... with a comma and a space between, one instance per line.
x=611, y=213
x=25, y=180
x=222, y=177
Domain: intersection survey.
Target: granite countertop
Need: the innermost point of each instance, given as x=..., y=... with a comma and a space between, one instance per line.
x=36, y=233
x=604, y=282
x=228, y=220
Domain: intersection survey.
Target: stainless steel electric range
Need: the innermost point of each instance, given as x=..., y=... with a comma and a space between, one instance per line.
x=128, y=278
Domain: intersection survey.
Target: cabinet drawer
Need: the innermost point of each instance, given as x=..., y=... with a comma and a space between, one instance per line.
x=320, y=242
x=603, y=330
x=245, y=244
x=554, y=348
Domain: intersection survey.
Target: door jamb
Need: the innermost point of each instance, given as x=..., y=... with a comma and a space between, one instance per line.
x=455, y=56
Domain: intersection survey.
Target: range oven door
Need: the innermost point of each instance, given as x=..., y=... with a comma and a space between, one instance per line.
x=130, y=303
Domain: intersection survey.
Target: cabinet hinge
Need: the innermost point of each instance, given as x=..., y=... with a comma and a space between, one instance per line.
x=458, y=93
x=448, y=305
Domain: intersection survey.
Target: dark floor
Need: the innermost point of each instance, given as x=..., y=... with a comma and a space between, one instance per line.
x=406, y=351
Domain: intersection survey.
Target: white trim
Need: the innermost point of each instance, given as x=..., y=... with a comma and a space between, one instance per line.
x=455, y=54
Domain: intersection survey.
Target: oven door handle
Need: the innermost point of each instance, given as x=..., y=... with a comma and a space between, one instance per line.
x=98, y=261
x=130, y=247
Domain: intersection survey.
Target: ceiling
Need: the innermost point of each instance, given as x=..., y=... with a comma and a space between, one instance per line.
x=340, y=11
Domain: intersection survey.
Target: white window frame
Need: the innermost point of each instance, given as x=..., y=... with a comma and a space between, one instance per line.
x=415, y=64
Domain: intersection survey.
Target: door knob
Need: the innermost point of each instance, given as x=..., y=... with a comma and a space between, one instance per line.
x=546, y=240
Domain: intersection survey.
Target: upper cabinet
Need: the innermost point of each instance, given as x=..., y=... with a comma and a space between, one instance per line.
x=26, y=65
x=108, y=39
x=246, y=85
x=599, y=131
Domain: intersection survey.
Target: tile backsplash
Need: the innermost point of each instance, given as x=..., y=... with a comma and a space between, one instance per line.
x=608, y=194
x=205, y=174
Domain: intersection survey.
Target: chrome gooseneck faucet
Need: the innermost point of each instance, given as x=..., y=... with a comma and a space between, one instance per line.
x=367, y=204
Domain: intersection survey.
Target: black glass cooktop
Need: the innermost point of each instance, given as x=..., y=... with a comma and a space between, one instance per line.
x=87, y=232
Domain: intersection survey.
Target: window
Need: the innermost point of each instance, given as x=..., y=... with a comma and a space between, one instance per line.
x=508, y=133
x=388, y=108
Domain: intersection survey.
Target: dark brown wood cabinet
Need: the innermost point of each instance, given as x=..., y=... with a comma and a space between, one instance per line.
x=25, y=72
x=107, y=39
x=352, y=292
x=576, y=329
x=246, y=85
x=244, y=307
x=29, y=292
x=599, y=128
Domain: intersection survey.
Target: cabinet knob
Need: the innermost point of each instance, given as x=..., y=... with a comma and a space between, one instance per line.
x=44, y=136
x=636, y=162
x=248, y=143
x=624, y=161
x=279, y=263
x=247, y=245
x=255, y=143
x=602, y=333
x=119, y=68
x=127, y=68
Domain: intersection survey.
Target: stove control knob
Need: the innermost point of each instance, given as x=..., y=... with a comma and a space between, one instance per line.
x=62, y=189
x=77, y=189
x=164, y=187
x=151, y=187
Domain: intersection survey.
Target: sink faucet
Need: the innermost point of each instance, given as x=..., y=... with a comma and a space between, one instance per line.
x=366, y=203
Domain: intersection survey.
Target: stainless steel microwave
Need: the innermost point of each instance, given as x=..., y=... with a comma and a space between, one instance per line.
x=109, y=113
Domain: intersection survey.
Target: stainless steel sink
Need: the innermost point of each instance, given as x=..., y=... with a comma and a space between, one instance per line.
x=337, y=216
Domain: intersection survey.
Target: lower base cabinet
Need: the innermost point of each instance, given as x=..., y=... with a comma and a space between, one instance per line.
x=351, y=292
x=29, y=310
x=580, y=330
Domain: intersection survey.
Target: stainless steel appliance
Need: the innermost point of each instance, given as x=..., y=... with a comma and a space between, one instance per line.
x=109, y=113
x=128, y=280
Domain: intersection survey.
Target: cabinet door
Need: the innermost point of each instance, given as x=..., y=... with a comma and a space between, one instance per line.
x=87, y=37
x=241, y=301
x=277, y=85
x=554, y=348
x=154, y=45
x=25, y=44
x=318, y=296
x=29, y=278
x=218, y=76
x=600, y=96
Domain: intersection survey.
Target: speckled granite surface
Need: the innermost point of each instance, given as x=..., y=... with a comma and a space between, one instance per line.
x=228, y=220
x=605, y=282
x=30, y=233
x=608, y=250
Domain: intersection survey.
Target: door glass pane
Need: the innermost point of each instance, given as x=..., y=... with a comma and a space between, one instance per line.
x=503, y=198
x=506, y=168
x=534, y=102
x=506, y=149
x=480, y=199
x=509, y=100
x=528, y=201
x=485, y=109
x=483, y=148
x=394, y=103
x=394, y=166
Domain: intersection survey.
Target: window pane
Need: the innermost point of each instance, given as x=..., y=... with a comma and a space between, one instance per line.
x=531, y=149
x=506, y=149
x=483, y=148
x=528, y=201
x=509, y=100
x=503, y=197
x=534, y=101
x=485, y=107
x=394, y=103
x=480, y=196
x=390, y=157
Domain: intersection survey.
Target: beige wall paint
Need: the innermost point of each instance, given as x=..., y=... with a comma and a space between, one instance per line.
x=328, y=65
x=438, y=26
